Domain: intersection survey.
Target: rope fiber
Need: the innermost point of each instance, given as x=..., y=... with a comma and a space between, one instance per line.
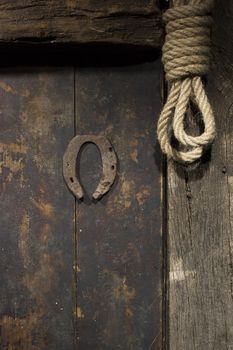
x=186, y=56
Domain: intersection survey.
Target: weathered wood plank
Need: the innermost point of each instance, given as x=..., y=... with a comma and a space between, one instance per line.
x=52, y=22
x=200, y=221
x=118, y=238
x=37, y=213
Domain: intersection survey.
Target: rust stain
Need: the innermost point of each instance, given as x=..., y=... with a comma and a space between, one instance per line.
x=8, y=88
x=12, y=161
x=38, y=125
x=45, y=208
x=23, y=242
x=13, y=147
x=124, y=198
x=143, y=194
x=120, y=289
x=134, y=150
x=121, y=299
x=128, y=313
x=13, y=165
x=123, y=292
x=127, y=189
x=15, y=331
x=36, y=117
x=44, y=234
x=109, y=129
x=32, y=281
x=25, y=92
x=79, y=312
x=39, y=282
x=140, y=221
x=134, y=155
x=24, y=116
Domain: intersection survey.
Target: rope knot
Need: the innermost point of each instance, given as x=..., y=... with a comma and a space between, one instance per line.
x=186, y=55
x=186, y=51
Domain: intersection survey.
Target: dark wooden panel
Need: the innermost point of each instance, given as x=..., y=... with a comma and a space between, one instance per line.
x=54, y=22
x=118, y=238
x=201, y=216
x=37, y=212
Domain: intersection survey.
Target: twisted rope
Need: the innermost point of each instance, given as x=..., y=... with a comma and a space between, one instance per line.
x=186, y=55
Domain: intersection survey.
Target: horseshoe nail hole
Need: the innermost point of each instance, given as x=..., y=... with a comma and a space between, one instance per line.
x=68, y=164
x=113, y=167
x=71, y=179
x=110, y=149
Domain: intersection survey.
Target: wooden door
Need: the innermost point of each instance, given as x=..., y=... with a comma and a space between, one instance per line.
x=79, y=274
x=149, y=266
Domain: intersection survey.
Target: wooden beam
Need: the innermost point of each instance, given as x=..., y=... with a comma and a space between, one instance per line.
x=55, y=22
x=200, y=210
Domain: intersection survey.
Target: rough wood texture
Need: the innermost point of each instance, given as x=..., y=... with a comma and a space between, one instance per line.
x=36, y=221
x=53, y=22
x=200, y=209
x=118, y=238
x=105, y=295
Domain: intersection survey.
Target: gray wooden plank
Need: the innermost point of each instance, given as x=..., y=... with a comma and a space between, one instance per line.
x=118, y=238
x=200, y=219
x=36, y=211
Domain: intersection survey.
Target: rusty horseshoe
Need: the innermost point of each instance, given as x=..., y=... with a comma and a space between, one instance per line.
x=109, y=163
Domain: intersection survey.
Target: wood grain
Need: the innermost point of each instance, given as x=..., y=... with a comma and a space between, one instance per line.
x=37, y=289
x=200, y=218
x=118, y=239
x=135, y=23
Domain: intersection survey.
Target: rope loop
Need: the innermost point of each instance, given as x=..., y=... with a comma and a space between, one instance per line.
x=186, y=56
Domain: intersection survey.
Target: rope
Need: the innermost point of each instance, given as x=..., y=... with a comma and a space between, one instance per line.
x=186, y=55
